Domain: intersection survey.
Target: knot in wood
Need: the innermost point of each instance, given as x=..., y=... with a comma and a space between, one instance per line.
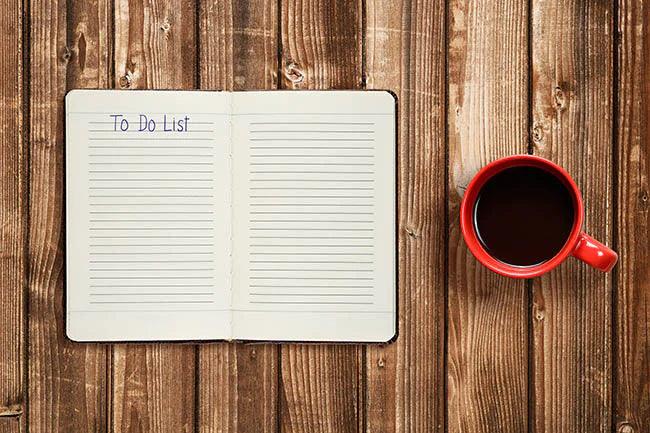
x=538, y=312
x=537, y=133
x=381, y=363
x=125, y=81
x=165, y=26
x=412, y=232
x=559, y=98
x=643, y=196
x=625, y=427
x=293, y=73
x=67, y=54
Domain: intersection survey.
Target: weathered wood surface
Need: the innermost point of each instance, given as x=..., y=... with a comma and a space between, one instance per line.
x=69, y=47
x=406, y=53
x=564, y=79
x=13, y=219
x=632, y=277
x=11, y=424
x=487, y=119
x=572, y=125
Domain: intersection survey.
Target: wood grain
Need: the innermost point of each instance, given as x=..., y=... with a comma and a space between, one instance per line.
x=583, y=74
x=321, y=44
x=406, y=54
x=238, y=50
x=321, y=48
x=238, y=45
x=67, y=381
x=572, y=125
x=11, y=425
x=13, y=216
x=487, y=119
x=153, y=388
x=632, y=293
x=155, y=44
x=153, y=385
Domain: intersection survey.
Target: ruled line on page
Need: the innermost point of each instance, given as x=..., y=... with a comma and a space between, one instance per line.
x=94, y=220
x=150, y=261
x=303, y=262
x=317, y=231
x=305, y=196
x=149, y=139
x=152, y=228
x=310, y=156
x=151, y=200
x=342, y=164
x=321, y=294
x=346, y=214
x=256, y=123
x=150, y=245
x=153, y=277
x=154, y=212
x=312, y=228
x=300, y=253
x=148, y=147
x=289, y=278
x=155, y=188
x=112, y=122
x=152, y=294
x=311, y=286
x=93, y=286
x=194, y=301
x=151, y=253
x=149, y=163
x=151, y=171
x=319, y=302
x=313, y=131
x=284, y=139
x=135, y=131
x=149, y=155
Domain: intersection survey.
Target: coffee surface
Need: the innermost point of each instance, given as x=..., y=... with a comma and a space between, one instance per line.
x=523, y=216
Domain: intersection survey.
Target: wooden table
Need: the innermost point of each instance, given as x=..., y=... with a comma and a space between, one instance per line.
x=476, y=80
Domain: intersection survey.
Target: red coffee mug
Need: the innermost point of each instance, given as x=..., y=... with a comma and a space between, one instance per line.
x=578, y=243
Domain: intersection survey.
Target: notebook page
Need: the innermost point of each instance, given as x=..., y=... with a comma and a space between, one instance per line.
x=148, y=215
x=314, y=216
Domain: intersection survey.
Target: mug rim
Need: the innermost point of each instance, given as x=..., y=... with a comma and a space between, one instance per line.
x=467, y=215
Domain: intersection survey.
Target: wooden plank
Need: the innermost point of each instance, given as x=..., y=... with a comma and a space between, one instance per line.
x=13, y=215
x=155, y=48
x=11, y=425
x=632, y=290
x=67, y=381
x=572, y=112
x=155, y=44
x=406, y=54
x=239, y=46
x=487, y=119
x=153, y=388
x=321, y=49
x=238, y=383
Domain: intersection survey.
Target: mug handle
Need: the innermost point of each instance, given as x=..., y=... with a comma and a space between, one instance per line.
x=594, y=253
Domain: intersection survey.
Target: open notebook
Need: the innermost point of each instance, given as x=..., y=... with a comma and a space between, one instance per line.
x=238, y=216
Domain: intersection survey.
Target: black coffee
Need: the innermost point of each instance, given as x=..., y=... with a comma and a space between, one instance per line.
x=523, y=216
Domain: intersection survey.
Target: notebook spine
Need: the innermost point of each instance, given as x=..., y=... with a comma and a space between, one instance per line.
x=232, y=216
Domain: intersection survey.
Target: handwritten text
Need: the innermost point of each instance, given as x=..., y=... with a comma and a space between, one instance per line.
x=146, y=123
